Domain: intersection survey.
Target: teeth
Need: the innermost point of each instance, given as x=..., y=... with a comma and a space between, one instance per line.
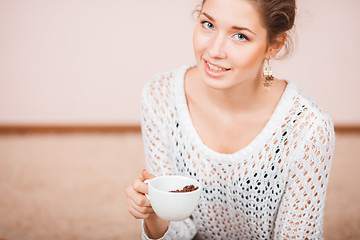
x=215, y=68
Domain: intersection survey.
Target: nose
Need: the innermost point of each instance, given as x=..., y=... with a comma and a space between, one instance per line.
x=217, y=47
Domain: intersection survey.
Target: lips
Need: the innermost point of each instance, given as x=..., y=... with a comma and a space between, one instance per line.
x=215, y=70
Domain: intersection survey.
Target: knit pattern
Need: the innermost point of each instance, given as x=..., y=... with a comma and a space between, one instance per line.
x=274, y=188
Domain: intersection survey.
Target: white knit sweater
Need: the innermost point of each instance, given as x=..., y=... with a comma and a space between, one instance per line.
x=274, y=188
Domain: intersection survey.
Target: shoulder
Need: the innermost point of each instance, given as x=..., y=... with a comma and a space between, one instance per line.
x=159, y=91
x=313, y=134
x=309, y=117
x=163, y=84
x=165, y=79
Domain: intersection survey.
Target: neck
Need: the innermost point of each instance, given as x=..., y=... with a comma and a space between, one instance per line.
x=245, y=97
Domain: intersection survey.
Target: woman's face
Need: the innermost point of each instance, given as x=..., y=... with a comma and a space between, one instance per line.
x=230, y=43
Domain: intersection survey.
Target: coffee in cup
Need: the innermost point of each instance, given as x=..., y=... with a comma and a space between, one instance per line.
x=168, y=200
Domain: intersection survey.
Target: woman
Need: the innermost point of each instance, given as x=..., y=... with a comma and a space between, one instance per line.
x=260, y=147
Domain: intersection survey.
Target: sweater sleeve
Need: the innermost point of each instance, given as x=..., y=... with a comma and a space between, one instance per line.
x=300, y=214
x=154, y=130
x=155, y=125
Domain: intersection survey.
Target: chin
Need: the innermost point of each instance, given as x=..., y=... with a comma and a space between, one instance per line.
x=214, y=82
x=218, y=84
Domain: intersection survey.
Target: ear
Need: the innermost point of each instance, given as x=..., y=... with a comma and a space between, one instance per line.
x=276, y=45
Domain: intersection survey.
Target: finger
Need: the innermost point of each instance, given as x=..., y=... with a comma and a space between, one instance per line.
x=137, y=197
x=146, y=175
x=140, y=209
x=140, y=186
x=137, y=214
x=145, y=208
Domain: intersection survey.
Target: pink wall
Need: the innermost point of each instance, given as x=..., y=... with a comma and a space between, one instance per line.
x=85, y=61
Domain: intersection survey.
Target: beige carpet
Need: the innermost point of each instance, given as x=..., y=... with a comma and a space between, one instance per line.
x=71, y=186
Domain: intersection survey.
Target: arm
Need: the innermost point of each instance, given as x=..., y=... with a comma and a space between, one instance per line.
x=140, y=207
x=300, y=215
x=154, y=125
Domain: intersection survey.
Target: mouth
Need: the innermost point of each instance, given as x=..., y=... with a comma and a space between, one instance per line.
x=216, y=68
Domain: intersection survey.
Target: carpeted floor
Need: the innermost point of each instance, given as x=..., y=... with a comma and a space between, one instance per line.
x=71, y=186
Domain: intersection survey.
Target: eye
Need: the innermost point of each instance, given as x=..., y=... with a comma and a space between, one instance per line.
x=240, y=37
x=207, y=25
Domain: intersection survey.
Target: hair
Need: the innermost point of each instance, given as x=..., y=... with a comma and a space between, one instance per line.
x=278, y=17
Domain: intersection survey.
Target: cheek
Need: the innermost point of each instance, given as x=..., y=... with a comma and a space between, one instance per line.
x=249, y=57
x=199, y=42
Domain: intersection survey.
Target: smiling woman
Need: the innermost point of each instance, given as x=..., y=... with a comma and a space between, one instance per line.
x=71, y=73
x=261, y=149
x=218, y=44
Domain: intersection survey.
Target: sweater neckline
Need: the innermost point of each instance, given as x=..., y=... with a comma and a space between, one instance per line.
x=185, y=119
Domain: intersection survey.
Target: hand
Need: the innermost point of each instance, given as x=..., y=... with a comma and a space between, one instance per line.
x=140, y=207
x=138, y=204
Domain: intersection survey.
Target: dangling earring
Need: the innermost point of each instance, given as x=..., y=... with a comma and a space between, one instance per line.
x=267, y=76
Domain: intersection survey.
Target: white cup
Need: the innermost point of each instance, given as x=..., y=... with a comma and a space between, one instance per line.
x=173, y=206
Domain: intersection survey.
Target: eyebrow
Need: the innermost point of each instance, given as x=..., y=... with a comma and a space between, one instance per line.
x=233, y=27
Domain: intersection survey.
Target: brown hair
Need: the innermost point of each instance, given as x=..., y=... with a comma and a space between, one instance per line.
x=278, y=17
